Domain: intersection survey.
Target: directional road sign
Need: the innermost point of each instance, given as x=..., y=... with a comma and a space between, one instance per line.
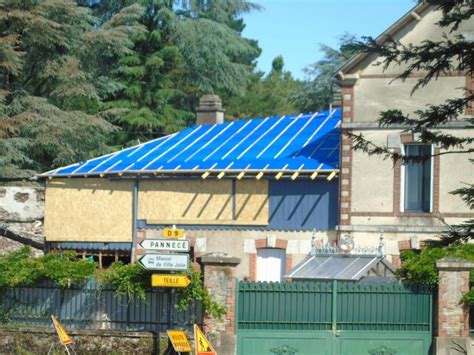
x=170, y=262
x=181, y=245
x=173, y=233
x=167, y=280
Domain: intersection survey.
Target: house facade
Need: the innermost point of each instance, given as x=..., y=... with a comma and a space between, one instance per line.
x=409, y=203
x=256, y=189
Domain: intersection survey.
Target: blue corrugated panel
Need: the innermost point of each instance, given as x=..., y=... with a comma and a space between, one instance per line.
x=305, y=142
x=303, y=205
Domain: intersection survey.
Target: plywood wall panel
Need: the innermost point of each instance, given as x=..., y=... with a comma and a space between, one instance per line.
x=252, y=201
x=185, y=201
x=89, y=210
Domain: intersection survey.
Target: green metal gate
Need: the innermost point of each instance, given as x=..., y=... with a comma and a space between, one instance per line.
x=333, y=318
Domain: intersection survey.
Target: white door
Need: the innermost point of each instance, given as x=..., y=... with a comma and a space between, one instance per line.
x=270, y=264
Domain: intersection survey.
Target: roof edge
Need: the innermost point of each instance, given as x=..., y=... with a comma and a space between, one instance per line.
x=390, y=31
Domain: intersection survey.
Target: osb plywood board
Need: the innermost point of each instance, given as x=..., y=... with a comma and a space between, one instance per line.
x=182, y=201
x=88, y=210
x=252, y=201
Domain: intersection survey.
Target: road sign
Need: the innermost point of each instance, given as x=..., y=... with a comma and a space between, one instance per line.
x=64, y=337
x=173, y=233
x=179, y=341
x=166, y=244
x=179, y=281
x=203, y=346
x=171, y=262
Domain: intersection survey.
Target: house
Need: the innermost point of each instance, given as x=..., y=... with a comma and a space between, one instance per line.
x=255, y=189
x=410, y=203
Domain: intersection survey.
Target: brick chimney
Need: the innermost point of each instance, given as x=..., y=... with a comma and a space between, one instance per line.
x=210, y=110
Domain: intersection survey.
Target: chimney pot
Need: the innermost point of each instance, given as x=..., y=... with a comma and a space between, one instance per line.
x=210, y=110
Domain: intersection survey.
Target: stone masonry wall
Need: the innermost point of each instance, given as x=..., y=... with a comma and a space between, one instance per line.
x=21, y=212
x=39, y=341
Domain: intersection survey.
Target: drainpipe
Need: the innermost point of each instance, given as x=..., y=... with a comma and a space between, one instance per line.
x=134, y=220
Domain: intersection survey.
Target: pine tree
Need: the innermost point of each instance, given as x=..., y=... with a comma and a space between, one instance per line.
x=52, y=63
x=190, y=48
x=268, y=95
x=454, y=53
x=320, y=87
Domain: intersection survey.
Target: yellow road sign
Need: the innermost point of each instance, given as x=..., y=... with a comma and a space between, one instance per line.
x=179, y=341
x=173, y=233
x=163, y=280
x=203, y=346
x=64, y=337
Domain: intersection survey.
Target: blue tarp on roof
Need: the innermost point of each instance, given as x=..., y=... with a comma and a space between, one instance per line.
x=305, y=142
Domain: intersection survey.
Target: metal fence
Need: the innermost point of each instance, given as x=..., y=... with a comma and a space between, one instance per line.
x=334, y=306
x=89, y=308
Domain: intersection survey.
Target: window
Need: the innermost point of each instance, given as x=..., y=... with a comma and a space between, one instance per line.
x=270, y=264
x=417, y=192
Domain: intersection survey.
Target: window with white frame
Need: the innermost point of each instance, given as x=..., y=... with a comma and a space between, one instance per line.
x=418, y=178
x=270, y=264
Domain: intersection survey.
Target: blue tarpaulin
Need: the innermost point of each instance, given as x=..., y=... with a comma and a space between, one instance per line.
x=304, y=143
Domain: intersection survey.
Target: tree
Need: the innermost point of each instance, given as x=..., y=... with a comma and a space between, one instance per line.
x=53, y=63
x=320, y=87
x=454, y=53
x=189, y=48
x=268, y=95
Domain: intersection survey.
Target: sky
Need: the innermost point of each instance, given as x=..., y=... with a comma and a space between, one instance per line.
x=295, y=28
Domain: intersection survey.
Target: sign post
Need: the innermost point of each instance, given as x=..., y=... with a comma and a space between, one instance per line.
x=171, y=262
x=179, y=341
x=173, y=233
x=202, y=345
x=178, y=245
x=170, y=280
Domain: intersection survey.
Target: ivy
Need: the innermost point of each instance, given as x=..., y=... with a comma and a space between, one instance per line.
x=197, y=292
x=128, y=279
x=67, y=269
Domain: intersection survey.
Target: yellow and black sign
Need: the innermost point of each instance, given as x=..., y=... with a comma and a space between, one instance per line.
x=64, y=337
x=203, y=346
x=163, y=280
x=179, y=341
x=173, y=233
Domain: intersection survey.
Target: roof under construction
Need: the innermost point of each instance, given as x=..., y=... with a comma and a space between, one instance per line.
x=305, y=144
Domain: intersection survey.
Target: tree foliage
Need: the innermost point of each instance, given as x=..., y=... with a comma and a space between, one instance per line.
x=319, y=89
x=267, y=95
x=54, y=63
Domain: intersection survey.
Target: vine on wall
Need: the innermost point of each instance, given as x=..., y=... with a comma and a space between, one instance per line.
x=66, y=269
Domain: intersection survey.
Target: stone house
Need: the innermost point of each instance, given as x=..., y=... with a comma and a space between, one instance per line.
x=255, y=189
x=410, y=203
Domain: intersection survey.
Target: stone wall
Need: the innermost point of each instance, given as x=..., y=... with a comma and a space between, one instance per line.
x=22, y=213
x=39, y=341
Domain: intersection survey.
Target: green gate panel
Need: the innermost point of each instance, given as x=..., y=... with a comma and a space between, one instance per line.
x=383, y=343
x=333, y=318
x=284, y=343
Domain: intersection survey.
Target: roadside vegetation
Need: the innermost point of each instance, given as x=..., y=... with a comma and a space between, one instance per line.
x=67, y=269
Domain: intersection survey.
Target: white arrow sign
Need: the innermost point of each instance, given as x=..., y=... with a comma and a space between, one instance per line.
x=165, y=261
x=166, y=244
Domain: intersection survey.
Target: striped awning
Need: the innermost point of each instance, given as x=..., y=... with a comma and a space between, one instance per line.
x=304, y=143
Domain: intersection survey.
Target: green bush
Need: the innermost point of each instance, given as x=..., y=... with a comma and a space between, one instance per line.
x=67, y=269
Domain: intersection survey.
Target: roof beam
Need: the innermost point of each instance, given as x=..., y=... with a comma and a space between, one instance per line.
x=331, y=176
x=314, y=175
x=205, y=175
x=279, y=175
x=241, y=175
